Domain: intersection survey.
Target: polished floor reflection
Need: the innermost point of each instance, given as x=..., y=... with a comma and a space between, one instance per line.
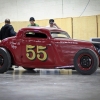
x=49, y=84
x=22, y=71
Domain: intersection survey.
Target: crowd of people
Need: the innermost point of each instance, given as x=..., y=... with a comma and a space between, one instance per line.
x=8, y=30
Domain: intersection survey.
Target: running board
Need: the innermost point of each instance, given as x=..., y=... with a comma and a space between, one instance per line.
x=66, y=67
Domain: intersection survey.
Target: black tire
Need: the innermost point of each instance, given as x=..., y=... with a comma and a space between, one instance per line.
x=5, y=60
x=86, y=61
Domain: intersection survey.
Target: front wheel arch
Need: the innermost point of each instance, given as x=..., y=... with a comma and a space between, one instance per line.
x=89, y=64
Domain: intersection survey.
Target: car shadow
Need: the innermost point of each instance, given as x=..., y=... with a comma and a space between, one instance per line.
x=42, y=72
x=18, y=71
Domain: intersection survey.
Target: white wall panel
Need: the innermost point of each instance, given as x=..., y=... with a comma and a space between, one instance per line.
x=21, y=10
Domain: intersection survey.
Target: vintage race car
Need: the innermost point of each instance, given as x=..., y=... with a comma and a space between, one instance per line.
x=39, y=47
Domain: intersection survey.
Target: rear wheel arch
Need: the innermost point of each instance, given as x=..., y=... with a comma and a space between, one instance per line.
x=5, y=60
x=12, y=57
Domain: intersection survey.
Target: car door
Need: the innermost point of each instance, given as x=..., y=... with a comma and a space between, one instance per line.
x=37, y=49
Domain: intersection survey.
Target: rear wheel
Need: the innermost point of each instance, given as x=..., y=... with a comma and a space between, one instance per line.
x=86, y=61
x=5, y=60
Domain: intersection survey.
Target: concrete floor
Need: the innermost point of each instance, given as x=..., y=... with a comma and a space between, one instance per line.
x=49, y=85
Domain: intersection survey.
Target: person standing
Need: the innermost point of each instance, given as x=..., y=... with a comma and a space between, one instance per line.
x=52, y=24
x=32, y=22
x=7, y=30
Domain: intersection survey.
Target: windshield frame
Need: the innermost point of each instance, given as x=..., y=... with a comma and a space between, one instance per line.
x=65, y=33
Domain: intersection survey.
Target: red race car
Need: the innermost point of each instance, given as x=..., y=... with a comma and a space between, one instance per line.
x=39, y=47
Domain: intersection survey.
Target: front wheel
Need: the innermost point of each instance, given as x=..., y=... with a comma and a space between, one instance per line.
x=86, y=61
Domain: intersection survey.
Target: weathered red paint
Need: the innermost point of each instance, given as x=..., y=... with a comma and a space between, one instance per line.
x=60, y=51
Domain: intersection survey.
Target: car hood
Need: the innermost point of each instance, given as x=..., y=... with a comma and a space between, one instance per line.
x=72, y=40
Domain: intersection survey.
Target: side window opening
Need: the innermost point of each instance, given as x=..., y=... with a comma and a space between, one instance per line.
x=36, y=35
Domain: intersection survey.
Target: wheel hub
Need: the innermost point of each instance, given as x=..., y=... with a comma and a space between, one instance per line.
x=85, y=61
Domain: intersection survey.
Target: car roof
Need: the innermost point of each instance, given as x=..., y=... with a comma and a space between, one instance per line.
x=41, y=28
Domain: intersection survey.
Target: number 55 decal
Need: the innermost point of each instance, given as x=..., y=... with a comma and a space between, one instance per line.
x=31, y=54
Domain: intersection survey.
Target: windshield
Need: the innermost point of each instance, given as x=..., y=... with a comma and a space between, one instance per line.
x=61, y=34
